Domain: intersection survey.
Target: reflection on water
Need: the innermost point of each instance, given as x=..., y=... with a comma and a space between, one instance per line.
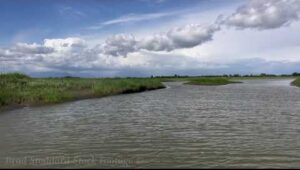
x=254, y=124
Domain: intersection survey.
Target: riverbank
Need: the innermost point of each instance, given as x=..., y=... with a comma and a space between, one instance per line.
x=18, y=90
x=296, y=82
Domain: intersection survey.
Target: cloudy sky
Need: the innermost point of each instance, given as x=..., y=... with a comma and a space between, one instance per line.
x=93, y=38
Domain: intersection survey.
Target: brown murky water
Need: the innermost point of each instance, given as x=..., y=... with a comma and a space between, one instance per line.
x=251, y=125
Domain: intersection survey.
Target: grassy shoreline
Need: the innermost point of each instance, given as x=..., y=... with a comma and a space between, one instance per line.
x=18, y=90
x=296, y=82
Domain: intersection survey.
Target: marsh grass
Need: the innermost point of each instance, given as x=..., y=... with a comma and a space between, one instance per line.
x=19, y=89
x=210, y=81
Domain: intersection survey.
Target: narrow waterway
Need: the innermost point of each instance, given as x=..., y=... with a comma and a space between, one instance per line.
x=255, y=124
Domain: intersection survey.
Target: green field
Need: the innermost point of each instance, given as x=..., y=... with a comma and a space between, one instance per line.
x=296, y=82
x=19, y=89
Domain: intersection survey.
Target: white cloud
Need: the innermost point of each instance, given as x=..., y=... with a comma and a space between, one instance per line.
x=64, y=44
x=136, y=17
x=32, y=48
x=265, y=14
x=191, y=35
x=74, y=54
x=180, y=37
x=130, y=18
x=52, y=53
x=118, y=45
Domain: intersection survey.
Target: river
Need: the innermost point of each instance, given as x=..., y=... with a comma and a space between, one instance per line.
x=255, y=124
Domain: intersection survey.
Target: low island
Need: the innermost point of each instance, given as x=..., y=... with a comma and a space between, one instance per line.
x=211, y=81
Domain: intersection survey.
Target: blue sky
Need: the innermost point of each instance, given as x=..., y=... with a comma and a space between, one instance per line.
x=144, y=37
x=33, y=20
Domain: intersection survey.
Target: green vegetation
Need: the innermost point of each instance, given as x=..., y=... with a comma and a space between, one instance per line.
x=21, y=90
x=228, y=76
x=296, y=82
x=223, y=79
x=200, y=80
x=208, y=81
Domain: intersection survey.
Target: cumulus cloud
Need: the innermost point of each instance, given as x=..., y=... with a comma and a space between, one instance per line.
x=74, y=53
x=181, y=37
x=51, y=53
x=264, y=14
x=66, y=44
x=191, y=35
x=119, y=45
x=32, y=48
x=176, y=38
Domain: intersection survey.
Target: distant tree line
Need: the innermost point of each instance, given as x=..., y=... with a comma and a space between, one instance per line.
x=231, y=75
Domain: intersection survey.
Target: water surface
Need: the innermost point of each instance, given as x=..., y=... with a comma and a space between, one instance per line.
x=251, y=125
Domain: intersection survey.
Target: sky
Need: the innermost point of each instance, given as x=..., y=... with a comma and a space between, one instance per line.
x=120, y=38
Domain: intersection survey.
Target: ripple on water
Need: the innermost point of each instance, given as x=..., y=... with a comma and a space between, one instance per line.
x=254, y=124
